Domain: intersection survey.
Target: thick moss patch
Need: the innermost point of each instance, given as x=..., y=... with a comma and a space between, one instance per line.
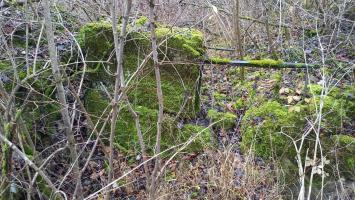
x=126, y=134
x=222, y=119
x=262, y=126
x=345, y=151
x=218, y=60
x=267, y=63
x=179, y=81
x=97, y=40
x=338, y=107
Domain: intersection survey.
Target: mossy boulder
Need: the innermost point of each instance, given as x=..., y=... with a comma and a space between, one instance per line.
x=262, y=126
x=179, y=81
x=126, y=138
x=97, y=40
x=344, y=151
x=264, y=130
x=338, y=107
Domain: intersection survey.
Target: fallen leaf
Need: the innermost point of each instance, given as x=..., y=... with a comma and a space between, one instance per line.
x=298, y=91
x=289, y=99
x=93, y=176
x=229, y=107
x=284, y=91
x=296, y=98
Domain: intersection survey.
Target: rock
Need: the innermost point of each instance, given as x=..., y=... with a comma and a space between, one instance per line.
x=284, y=91
x=178, y=80
x=296, y=98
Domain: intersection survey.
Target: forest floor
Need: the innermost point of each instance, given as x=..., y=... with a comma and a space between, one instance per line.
x=215, y=172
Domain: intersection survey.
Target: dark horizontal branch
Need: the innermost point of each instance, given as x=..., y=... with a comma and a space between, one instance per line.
x=266, y=63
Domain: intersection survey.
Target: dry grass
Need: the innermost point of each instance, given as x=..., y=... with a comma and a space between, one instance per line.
x=221, y=174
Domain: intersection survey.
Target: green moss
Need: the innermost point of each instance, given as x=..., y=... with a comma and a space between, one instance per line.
x=218, y=60
x=346, y=141
x=267, y=63
x=299, y=65
x=175, y=96
x=126, y=138
x=188, y=41
x=261, y=127
x=224, y=120
x=338, y=106
x=203, y=140
x=4, y=65
x=96, y=40
x=310, y=33
x=178, y=81
x=277, y=77
x=315, y=89
x=239, y=104
x=162, y=32
x=345, y=146
x=95, y=103
x=334, y=112
x=141, y=21
x=126, y=134
x=219, y=96
x=348, y=97
x=191, y=50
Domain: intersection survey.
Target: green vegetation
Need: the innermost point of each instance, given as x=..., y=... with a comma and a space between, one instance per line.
x=141, y=21
x=4, y=65
x=310, y=33
x=224, y=120
x=218, y=60
x=96, y=40
x=345, y=151
x=203, y=140
x=338, y=107
x=219, y=96
x=127, y=139
x=262, y=126
x=257, y=109
x=267, y=63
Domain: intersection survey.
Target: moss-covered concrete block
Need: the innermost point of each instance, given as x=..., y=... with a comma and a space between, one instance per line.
x=179, y=81
x=126, y=139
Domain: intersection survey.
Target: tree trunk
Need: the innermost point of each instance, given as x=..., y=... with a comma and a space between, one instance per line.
x=152, y=25
x=62, y=98
x=237, y=36
x=119, y=81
